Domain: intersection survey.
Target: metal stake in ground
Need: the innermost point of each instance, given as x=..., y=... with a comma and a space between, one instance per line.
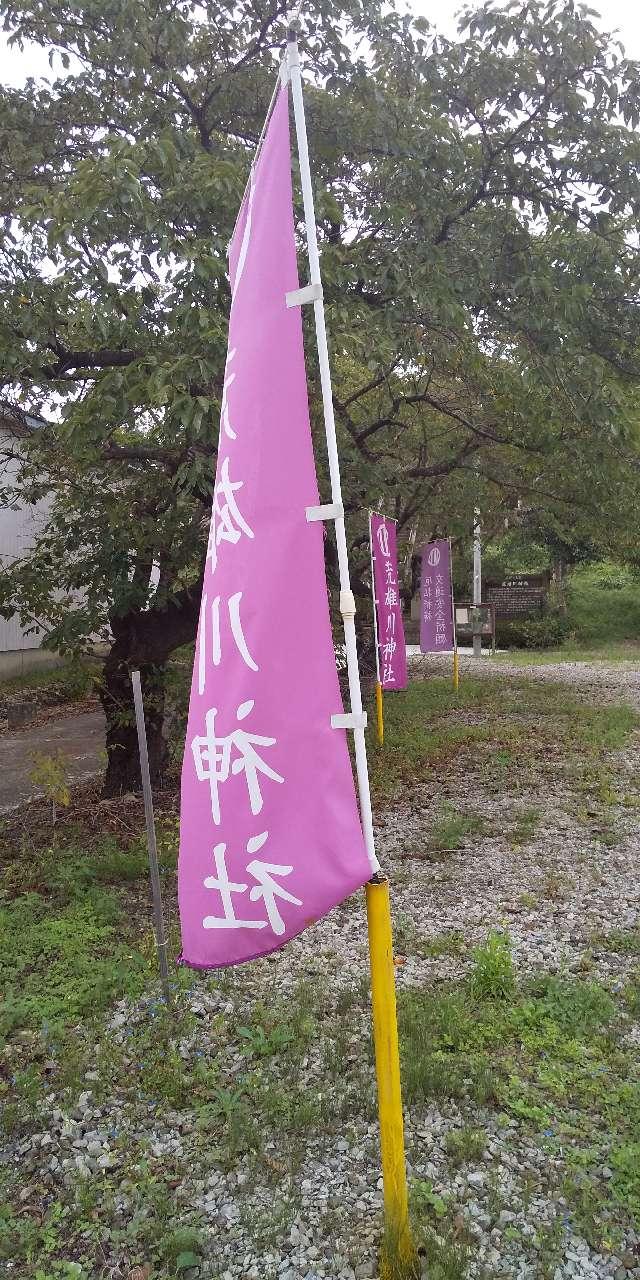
x=161, y=941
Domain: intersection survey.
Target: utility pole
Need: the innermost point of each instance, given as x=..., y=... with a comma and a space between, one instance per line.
x=477, y=584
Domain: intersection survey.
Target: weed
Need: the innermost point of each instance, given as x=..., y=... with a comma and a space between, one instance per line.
x=451, y=943
x=555, y=886
x=528, y=901
x=182, y=1248
x=525, y=824
x=264, y=1044
x=632, y=995
x=408, y=940
x=624, y=941
x=450, y=827
x=493, y=976
x=425, y=1200
x=50, y=773
x=465, y=1145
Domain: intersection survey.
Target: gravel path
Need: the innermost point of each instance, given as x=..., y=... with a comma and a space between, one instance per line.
x=78, y=738
x=555, y=892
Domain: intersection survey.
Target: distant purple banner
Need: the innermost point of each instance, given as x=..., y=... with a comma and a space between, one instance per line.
x=392, y=652
x=436, y=607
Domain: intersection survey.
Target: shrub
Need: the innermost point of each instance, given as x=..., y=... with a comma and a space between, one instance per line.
x=608, y=576
x=545, y=632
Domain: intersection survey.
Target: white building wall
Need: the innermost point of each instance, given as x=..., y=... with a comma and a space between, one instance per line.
x=18, y=530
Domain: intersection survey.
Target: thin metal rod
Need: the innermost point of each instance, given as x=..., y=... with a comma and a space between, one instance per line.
x=453, y=603
x=161, y=941
x=347, y=602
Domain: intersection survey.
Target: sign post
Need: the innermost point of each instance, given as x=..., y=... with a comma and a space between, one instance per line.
x=477, y=583
x=391, y=651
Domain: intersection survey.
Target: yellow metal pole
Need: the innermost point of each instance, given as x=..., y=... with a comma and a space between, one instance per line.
x=399, y=1255
x=379, y=713
x=456, y=672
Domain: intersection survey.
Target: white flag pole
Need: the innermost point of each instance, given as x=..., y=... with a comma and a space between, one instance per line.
x=398, y=1247
x=347, y=602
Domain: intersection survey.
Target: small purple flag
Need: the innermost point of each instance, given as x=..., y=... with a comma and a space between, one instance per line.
x=436, y=596
x=392, y=651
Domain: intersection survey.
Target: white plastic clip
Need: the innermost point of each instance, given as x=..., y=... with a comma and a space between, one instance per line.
x=309, y=293
x=349, y=720
x=347, y=604
x=330, y=511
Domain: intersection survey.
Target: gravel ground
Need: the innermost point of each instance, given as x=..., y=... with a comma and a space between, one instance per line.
x=555, y=893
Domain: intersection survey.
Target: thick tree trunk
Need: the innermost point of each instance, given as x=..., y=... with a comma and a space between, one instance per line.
x=144, y=640
x=123, y=764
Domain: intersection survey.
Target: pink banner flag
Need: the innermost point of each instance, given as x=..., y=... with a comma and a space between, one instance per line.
x=436, y=612
x=270, y=835
x=392, y=651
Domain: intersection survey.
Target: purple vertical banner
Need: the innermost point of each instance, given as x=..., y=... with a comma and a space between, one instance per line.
x=392, y=651
x=436, y=599
x=270, y=834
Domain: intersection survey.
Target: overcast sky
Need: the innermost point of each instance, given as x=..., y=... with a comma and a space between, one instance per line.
x=622, y=16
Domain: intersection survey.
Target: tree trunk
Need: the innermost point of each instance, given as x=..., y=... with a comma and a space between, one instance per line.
x=143, y=640
x=123, y=763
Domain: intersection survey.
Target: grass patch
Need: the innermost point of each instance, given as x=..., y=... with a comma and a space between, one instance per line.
x=546, y=1053
x=69, y=682
x=409, y=940
x=525, y=824
x=550, y=1057
x=428, y=727
x=447, y=831
x=603, y=604
x=70, y=947
x=624, y=941
x=451, y=827
x=60, y=965
x=606, y=652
